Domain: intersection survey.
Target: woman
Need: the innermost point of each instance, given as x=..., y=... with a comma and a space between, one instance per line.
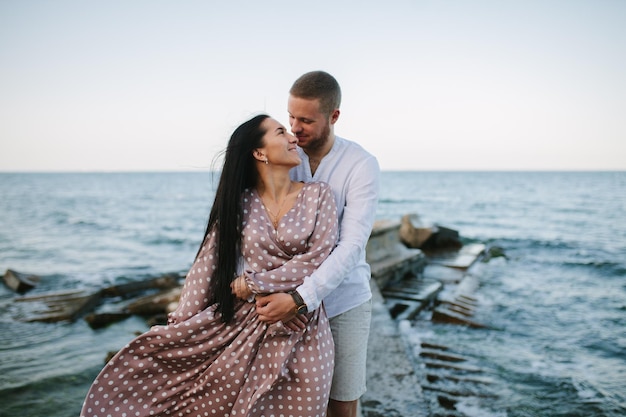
x=215, y=357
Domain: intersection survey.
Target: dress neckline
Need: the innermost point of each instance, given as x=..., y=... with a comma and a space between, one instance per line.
x=267, y=214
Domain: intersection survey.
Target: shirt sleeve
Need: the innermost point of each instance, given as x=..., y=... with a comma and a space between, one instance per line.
x=321, y=242
x=354, y=231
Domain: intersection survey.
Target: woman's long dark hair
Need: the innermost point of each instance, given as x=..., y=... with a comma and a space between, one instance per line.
x=239, y=172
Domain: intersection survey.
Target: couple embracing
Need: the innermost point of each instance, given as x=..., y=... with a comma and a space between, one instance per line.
x=274, y=315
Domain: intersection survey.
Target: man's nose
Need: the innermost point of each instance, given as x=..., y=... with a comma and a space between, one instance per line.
x=296, y=126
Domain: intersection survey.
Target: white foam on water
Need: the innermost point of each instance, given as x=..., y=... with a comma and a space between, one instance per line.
x=471, y=408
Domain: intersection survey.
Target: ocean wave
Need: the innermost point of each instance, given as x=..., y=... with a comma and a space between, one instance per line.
x=166, y=240
x=15, y=335
x=50, y=395
x=605, y=268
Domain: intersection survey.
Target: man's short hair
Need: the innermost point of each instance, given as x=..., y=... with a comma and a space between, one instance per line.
x=318, y=85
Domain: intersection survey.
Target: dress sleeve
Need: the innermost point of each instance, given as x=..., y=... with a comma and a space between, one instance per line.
x=195, y=293
x=321, y=242
x=355, y=229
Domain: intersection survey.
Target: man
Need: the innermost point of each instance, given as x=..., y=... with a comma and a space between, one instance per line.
x=342, y=281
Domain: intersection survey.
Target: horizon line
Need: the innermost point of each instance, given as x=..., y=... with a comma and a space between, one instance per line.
x=205, y=170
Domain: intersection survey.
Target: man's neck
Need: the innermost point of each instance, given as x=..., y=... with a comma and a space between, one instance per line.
x=316, y=155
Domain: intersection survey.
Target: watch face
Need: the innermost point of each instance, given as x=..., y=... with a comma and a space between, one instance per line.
x=302, y=309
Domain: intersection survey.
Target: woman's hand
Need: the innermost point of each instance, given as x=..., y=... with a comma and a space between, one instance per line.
x=240, y=288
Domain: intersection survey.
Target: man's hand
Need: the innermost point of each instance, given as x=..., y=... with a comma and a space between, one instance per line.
x=280, y=307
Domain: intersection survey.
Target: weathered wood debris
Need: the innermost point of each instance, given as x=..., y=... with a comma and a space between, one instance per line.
x=60, y=305
x=428, y=238
x=20, y=282
x=414, y=270
x=412, y=263
x=148, y=297
x=435, y=276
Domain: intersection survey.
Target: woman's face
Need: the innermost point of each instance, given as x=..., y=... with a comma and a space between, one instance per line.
x=280, y=147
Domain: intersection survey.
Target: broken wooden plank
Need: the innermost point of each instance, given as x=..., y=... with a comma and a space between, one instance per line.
x=98, y=320
x=163, y=282
x=461, y=259
x=428, y=345
x=428, y=238
x=67, y=306
x=450, y=357
x=435, y=364
x=155, y=303
x=52, y=296
x=467, y=299
x=443, y=273
x=414, y=289
x=460, y=310
x=397, y=265
x=388, y=258
x=460, y=303
x=408, y=297
x=447, y=316
x=403, y=309
x=20, y=282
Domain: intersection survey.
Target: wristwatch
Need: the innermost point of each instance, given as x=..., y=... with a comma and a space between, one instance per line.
x=301, y=307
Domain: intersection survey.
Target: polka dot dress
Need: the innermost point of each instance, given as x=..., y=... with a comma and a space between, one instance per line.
x=199, y=366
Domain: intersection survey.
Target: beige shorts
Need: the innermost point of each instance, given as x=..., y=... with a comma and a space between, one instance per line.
x=350, y=333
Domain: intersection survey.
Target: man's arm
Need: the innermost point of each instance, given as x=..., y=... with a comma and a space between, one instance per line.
x=354, y=231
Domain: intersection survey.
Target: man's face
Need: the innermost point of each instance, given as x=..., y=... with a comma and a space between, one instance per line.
x=308, y=124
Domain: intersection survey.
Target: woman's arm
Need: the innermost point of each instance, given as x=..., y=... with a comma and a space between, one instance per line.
x=320, y=241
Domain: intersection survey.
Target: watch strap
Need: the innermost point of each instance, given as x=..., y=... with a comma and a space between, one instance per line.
x=301, y=306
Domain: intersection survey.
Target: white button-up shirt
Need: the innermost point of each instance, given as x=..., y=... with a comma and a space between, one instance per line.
x=342, y=280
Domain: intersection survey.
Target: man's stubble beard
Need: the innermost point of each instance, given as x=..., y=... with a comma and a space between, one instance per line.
x=320, y=141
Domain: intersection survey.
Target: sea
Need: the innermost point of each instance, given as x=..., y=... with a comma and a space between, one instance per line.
x=554, y=306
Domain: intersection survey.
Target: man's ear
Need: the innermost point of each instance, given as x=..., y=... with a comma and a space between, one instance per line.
x=334, y=116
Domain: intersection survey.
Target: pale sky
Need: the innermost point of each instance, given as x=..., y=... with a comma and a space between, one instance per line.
x=138, y=85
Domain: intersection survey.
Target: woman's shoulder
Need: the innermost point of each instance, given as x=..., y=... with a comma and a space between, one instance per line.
x=317, y=192
x=317, y=186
